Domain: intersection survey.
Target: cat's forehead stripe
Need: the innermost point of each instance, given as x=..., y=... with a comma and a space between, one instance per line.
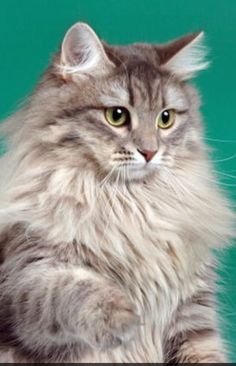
x=140, y=82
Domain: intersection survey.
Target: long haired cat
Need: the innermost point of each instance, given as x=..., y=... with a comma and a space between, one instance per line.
x=109, y=210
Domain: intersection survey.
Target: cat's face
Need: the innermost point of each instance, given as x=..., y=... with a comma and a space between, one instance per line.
x=130, y=110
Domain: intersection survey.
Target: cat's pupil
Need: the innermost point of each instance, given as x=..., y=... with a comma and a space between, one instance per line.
x=165, y=116
x=117, y=114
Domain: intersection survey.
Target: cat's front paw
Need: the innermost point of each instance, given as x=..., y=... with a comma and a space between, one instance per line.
x=112, y=319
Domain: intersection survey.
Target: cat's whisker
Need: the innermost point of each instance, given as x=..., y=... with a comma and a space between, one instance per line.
x=225, y=159
x=183, y=190
x=171, y=186
x=219, y=140
x=106, y=180
x=107, y=177
x=123, y=185
x=123, y=172
x=126, y=174
x=112, y=200
x=210, y=179
x=214, y=181
x=227, y=175
x=126, y=198
x=180, y=184
x=107, y=190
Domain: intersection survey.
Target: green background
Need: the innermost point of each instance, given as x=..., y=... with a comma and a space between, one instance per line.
x=31, y=30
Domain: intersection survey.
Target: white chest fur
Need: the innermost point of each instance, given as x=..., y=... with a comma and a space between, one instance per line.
x=149, y=255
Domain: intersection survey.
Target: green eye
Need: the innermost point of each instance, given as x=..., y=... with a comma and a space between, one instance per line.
x=166, y=118
x=117, y=116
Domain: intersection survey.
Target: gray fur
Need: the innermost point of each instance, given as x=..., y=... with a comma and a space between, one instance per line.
x=104, y=257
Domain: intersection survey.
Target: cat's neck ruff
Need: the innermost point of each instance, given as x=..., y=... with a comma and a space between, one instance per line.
x=68, y=205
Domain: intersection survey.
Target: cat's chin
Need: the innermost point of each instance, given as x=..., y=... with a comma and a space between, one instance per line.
x=138, y=172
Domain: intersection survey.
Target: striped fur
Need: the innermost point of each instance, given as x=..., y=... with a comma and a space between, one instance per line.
x=98, y=263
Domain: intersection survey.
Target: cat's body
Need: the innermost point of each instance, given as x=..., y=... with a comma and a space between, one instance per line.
x=107, y=269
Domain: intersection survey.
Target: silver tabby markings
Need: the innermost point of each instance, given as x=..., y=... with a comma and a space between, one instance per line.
x=108, y=210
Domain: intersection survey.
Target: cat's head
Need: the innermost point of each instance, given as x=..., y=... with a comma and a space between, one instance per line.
x=129, y=109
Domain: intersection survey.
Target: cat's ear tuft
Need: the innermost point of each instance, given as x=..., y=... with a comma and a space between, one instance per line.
x=185, y=56
x=82, y=52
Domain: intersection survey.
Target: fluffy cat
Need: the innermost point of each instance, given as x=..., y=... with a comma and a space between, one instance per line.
x=109, y=210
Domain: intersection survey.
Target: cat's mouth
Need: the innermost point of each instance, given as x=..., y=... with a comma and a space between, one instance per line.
x=131, y=164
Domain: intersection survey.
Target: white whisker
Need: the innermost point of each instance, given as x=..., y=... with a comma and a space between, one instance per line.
x=225, y=159
x=107, y=177
x=227, y=175
x=111, y=201
x=219, y=140
x=172, y=187
x=213, y=181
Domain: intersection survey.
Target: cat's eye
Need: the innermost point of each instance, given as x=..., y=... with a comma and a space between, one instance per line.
x=166, y=118
x=117, y=116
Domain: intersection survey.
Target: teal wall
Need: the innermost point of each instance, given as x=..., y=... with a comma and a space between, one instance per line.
x=31, y=30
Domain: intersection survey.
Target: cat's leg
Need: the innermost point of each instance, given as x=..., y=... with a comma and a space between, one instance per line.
x=193, y=337
x=48, y=311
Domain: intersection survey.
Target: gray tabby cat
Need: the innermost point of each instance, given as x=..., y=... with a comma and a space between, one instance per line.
x=109, y=210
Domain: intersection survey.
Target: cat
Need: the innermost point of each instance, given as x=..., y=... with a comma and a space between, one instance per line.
x=109, y=210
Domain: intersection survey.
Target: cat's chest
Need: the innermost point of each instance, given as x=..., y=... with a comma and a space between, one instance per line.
x=152, y=283
x=137, y=249
x=141, y=251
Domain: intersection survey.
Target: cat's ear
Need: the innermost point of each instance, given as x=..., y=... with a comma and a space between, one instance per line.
x=82, y=52
x=185, y=56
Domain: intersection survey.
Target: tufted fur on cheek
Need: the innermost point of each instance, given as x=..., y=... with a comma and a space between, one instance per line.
x=95, y=267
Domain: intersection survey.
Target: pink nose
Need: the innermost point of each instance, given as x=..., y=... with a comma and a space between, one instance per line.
x=148, y=155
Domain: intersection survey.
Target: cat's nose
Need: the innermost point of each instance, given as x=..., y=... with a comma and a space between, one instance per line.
x=148, y=154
